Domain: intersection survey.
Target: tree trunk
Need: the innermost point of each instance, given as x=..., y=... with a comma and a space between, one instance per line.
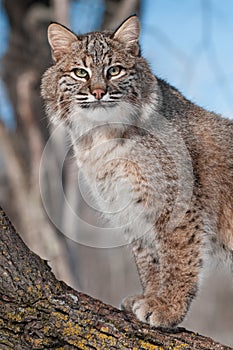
x=117, y=11
x=39, y=312
x=27, y=57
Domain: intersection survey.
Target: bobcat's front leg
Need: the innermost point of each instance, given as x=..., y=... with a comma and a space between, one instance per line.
x=166, y=303
x=147, y=262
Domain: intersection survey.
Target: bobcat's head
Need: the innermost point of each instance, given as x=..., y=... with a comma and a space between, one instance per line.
x=100, y=75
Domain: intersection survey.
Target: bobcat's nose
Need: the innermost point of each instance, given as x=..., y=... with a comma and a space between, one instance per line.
x=98, y=93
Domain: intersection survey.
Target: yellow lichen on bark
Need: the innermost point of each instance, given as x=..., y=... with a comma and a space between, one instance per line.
x=39, y=312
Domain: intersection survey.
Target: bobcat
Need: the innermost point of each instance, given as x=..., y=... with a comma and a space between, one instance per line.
x=158, y=165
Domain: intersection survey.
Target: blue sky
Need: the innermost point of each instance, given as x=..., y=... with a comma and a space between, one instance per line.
x=187, y=42
x=6, y=111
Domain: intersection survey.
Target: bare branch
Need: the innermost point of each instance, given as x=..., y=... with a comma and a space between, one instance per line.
x=39, y=312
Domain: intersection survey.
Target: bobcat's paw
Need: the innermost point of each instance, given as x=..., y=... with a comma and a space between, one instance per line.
x=152, y=310
x=146, y=311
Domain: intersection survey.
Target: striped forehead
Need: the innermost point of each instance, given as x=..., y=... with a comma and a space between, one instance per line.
x=96, y=48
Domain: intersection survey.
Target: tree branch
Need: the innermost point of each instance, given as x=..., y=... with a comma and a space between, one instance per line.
x=39, y=312
x=118, y=10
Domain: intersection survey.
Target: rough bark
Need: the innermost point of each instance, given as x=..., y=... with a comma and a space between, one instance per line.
x=39, y=312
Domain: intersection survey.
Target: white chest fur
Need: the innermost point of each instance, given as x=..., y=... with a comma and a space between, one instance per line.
x=121, y=188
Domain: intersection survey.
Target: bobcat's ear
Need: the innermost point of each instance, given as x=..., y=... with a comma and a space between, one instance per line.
x=60, y=39
x=128, y=33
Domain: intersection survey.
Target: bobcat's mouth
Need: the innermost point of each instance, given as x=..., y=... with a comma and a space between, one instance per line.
x=98, y=104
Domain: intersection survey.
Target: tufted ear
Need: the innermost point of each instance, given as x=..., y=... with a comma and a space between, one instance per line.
x=128, y=33
x=60, y=39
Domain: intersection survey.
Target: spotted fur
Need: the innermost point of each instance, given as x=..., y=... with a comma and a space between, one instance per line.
x=159, y=167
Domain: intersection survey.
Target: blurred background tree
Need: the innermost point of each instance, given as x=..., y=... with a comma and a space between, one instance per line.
x=184, y=43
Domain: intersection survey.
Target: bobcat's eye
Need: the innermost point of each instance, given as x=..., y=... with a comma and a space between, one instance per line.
x=114, y=71
x=81, y=73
